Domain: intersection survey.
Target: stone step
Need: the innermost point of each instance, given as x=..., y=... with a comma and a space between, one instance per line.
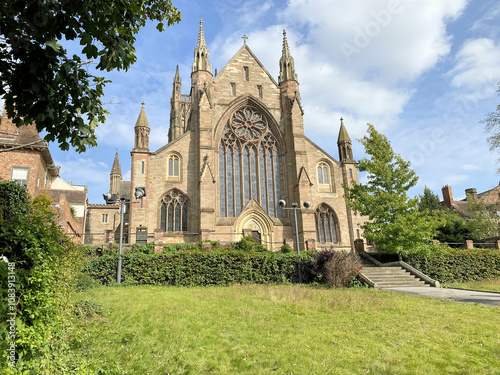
x=392, y=277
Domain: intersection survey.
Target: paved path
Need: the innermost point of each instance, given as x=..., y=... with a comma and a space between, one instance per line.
x=459, y=295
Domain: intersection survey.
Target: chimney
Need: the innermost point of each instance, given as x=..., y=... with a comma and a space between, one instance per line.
x=471, y=191
x=447, y=195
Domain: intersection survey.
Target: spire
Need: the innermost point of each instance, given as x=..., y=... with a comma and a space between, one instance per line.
x=142, y=120
x=177, y=78
x=201, y=60
x=142, y=131
x=344, y=144
x=343, y=135
x=116, y=169
x=287, y=66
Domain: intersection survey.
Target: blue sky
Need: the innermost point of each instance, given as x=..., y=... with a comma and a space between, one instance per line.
x=423, y=72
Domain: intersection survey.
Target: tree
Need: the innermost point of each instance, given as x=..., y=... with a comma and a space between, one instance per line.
x=395, y=223
x=42, y=84
x=492, y=122
x=454, y=228
x=484, y=219
x=428, y=201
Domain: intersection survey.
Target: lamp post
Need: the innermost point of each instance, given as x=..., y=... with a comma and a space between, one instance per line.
x=295, y=207
x=140, y=192
x=123, y=199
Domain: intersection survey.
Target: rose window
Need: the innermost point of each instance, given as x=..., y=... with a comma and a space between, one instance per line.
x=248, y=124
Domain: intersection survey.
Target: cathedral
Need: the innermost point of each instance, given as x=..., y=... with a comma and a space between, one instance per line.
x=236, y=163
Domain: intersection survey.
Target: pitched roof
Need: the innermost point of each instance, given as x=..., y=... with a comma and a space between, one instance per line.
x=72, y=196
x=142, y=120
x=343, y=135
x=245, y=47
x=116, y=169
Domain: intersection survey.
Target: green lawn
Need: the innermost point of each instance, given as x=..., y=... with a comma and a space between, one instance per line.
x=486, y=285
x=255, y=329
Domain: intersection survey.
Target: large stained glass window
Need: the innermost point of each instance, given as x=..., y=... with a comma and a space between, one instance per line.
x=174, y=211
x=248, y=164
x=326, y=224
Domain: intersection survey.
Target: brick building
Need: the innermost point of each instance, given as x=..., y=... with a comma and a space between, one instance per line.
x=236, y=147
x=491, y=198
x=26, y=159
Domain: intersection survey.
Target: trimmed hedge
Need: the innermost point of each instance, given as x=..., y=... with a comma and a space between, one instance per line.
x=459, y=266
x=454, y=265
x=195, y=268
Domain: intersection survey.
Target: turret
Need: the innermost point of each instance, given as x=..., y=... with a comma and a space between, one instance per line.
x=344, y=144
x=180, y=106
x=115, y=176
x=141, y=132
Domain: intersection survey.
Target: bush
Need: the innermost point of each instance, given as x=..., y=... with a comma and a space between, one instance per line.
x=286, y=249
x=195, y=267
x=337, y=267
x=248, y=243
x=45, y=262
x=85, y=282
x=459, y=265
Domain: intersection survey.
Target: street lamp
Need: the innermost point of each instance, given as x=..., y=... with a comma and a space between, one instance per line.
x=295, y=207
x=140, y=192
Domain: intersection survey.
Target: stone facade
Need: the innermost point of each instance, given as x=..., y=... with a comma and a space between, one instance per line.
x=236, y=146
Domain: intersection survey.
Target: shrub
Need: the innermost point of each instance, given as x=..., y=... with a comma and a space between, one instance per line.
x=85, y=282
x=195, y=267
x=459, y=265
x=337, y=267
x=45, y=261
x=248, y=243
x=286, y=249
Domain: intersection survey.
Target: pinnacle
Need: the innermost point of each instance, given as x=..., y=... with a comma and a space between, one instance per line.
x=142, y=120
x=343, y=135
x=201, y=35
x=116, y=169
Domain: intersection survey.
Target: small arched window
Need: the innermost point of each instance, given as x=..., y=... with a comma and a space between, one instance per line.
x=173, y=166
x=326, y=224
x=323, y=174
x=174, y=212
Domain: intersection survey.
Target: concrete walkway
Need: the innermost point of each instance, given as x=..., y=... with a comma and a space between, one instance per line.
x=458, y=295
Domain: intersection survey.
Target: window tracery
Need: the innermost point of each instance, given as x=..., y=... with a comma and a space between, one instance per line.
x=174, y=212
x=326, y=224
x=248, y=164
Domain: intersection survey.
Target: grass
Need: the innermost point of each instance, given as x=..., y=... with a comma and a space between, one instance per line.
x=255, y=329
x=492, y=285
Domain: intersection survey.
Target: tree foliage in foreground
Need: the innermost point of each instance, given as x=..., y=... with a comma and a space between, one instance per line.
x=395, y=224
x=42, y=83
x=492, y=125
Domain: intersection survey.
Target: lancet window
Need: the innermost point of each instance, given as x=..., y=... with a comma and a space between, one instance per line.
x=174, y=212
x=326, y=224
x=248, y=164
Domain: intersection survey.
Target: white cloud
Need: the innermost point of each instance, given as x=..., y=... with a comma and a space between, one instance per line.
x=470, y=167
x=476, y=66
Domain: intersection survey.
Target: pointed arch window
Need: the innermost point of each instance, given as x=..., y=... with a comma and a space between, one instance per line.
x=326, y=224
x=248, y=164
x=323, y=174
x=174, y=212
x=173, y=166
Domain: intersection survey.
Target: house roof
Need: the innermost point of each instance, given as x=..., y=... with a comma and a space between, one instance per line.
x=72, y=196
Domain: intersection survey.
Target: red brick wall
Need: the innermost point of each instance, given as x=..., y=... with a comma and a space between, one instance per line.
x=31, y=159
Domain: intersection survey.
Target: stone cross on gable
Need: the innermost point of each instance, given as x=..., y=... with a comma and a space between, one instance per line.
x=244, y=37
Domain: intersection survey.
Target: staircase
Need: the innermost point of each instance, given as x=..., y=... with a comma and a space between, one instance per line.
x=383, y=277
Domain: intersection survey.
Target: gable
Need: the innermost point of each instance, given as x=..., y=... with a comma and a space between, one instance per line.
x=234, y=72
